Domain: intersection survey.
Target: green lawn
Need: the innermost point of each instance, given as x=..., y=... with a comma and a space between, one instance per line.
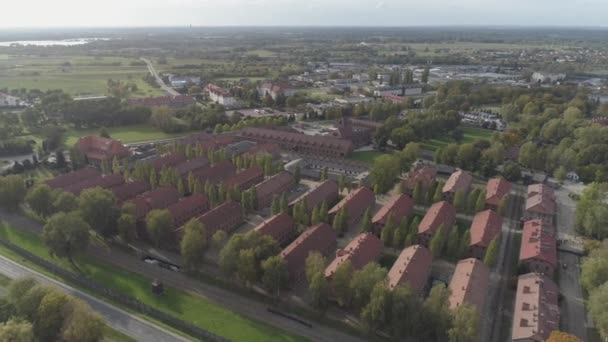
x=194, y=309
x=83, y=75
x=262, y=53
x=366, y=156
x=470, y=134
x=126, y=134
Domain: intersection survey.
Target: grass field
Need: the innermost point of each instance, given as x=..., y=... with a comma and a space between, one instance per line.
x=193, y=309
x=262, y=53
x=470, y=134
x=366, y=156
x=77, y=75
x=126, y=134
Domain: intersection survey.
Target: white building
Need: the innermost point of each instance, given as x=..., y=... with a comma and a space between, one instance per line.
x=182, y=81
x=220, y=95
x=268, y=88
x=7, y=100
x=540, y=77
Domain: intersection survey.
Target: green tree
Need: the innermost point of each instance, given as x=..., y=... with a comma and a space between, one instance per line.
x=218, y=239
x=284, y=205
x=319, y=290
x=436, y=315
x=502, y=205
x=27, y=305
x=492, y=253
x=472, y=200
x=64, y=202
x=375, y=314
x=297, y=174
x=97, y=207
x=66, y=235
x=324, y=174
x=16, y=330
x=388, y=231
x=323, y=212
x=82, y=324
x=481, y=202
x=418, y=193
x=598, y=302
x=465, y=326
x=459, y=200
x=404, y=304
x=159, y=225
x=194, y=243
x=438, y=195
x=275, y=207
x=384, y=172
x=363, y=282
x=341, y=182
x=12, y=191
x=437, y=242
x=274, y=274
x=465, y=241
x=50, y=315
x=126, y=226
x=560, y=174
x=366, y=222
x=594, y=269
x=341, y=283
x=41, y=199
x=453, y=245
x=315, y=263
x=247, y=266
x=425, y=75
x=314, y=217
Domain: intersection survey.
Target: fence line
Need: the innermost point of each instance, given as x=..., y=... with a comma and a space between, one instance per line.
x=127, y=301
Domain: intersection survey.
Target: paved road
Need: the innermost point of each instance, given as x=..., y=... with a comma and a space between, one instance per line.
x=117, y=318
x=159, y=80
x=233, y=301
x=572, y=307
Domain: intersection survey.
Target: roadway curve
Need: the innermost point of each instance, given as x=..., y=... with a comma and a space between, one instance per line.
x=159, y=80
x=116, y=318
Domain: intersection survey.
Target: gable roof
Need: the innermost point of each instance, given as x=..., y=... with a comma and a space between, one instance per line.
x=356, y=202
x=188, y=206
x=216, y=216
x=179, y=100
x=297, y=138
x=459, y=180
x=413, y=267
x=273, y=184
x=96, y=147
x=316, y=238
x=486, y=226
x=73, y=177
x=536, y=312
x=421, y=173
x=104, y=181
x=538, y=242
x=361, y=250
x=129, y=190
x=469, y=284
x=168, y=160
x=192, y=165
x=244, y=177
x=277, y=226
x=326, y=191
x=496, y=189
x=541, y=199
x=438, y=214
x=399, y=206
x=216, y=173
x=155, y=199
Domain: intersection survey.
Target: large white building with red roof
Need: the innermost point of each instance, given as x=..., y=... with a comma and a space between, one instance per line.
x=220, y=95
x=98, y=149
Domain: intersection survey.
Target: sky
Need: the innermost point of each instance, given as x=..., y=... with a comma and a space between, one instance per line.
x=109, y=13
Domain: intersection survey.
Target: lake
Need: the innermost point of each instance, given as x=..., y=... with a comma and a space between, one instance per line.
x=65, y=42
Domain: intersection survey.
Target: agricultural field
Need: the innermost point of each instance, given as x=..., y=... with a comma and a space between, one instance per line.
x=77, y=75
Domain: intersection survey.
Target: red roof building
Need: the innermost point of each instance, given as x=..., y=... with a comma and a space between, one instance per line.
x=156, y=199
x=169, y=101
x=538, y=252
x=439, y=214
x=320, y=237
x=540, y=202
x=496, y=190
x=129, y=190
x=70, y=178
x=215, y=174
x=245, y=179
x=326, y=191
x=469, y=284
x=536, y=313
x=271, y=149
x=105, y=182
x=360, y=251
x=355, y=204
x=398, y=207
x=168, y=160
x=187, y=208
x=423, y=174
x=97, y=149
x=486, y=226
x=192, y=165
x=227, y=217
x=412, y=267
x=301, y=143
x=207, y=141
x=459, y=181
x=275, y=185
x=280, y=227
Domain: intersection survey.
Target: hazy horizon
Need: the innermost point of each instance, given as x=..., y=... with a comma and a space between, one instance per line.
x=312, y=13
